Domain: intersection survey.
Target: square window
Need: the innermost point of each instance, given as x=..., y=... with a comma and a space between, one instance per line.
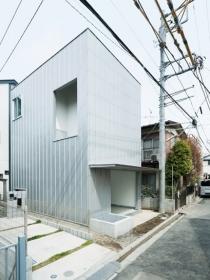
x=17, y=107
x=147, y=144
x=66, y=111
x=155, y=143
x=147, y=155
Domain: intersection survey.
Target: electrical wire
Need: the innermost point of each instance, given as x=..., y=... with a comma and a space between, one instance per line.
x=93, y=11
x=206, y=97
x=199, y=136
x=140, y=7
x=177, y=45
x=119, y=46
x=19, y=40
x=137, y=38
x=134, y=32
x=8, y=27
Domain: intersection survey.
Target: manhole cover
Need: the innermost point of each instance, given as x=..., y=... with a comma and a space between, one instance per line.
x=68, y=273
x=53, y=276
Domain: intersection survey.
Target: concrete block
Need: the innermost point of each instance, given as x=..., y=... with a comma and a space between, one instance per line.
x=111, y=224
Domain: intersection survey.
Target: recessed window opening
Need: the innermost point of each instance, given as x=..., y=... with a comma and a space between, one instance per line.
x=66, y=111
x=17, y=107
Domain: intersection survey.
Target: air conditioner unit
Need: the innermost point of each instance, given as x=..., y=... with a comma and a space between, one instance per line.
x=153, y=157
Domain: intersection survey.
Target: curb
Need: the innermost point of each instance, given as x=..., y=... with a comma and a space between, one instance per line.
x=141, y=240
x=120, y=256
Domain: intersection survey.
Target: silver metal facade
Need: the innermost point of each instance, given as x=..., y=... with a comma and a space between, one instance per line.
x=113, y=121
x=54, y=172
x=57, y=173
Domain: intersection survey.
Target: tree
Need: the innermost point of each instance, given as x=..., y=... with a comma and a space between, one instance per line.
x=197, y=163
x=180, y=158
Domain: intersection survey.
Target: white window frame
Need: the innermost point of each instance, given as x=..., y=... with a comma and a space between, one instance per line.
x=15, y=110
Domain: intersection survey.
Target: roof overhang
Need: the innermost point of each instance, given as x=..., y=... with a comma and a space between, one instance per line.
x=11, y=82
x=123, y=167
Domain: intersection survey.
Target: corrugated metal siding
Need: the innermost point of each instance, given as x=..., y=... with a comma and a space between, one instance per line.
x=114, y=109
x=55, y=173
x=114, y=126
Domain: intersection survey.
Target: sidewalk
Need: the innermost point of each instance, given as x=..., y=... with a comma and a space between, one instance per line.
x=76, y=264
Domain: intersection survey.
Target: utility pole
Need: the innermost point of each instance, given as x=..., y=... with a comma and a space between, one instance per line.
x=164, y=28
x=162, y=150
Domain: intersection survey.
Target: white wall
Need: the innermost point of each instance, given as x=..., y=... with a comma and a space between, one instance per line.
x=123, y=188
x=206, y=167
x=4, y=131
x=99, y=191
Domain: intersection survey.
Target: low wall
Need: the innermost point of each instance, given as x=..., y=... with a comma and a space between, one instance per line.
x=151, y=203
x=111, y=224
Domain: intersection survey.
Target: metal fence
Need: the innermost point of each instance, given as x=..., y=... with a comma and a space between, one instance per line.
x=13, y=236
x=13, y=260
x=8, y=262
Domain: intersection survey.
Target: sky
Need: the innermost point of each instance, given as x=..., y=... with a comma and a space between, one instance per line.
x=57, y=23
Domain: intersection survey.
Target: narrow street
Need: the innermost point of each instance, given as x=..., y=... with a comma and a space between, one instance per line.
x=183, y=252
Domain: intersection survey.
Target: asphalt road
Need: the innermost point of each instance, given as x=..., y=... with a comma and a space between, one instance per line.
x=182, y=253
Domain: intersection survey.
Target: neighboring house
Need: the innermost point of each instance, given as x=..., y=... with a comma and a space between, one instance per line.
x=5, y=86
x=150, y=148
x=206, y=167
x=75, y=136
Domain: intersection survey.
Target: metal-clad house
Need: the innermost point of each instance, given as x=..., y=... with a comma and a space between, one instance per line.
x=75, y=133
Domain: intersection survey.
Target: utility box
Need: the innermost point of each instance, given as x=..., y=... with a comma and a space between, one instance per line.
x=20, y=195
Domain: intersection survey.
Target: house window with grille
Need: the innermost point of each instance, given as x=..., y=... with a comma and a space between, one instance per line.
x=147, y=144
x=147, y=155
x=155, y=143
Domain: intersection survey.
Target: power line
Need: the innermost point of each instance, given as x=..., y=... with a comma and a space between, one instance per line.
x=7, y=29
x=200, y=81
x=206, y=97
x=138, y=40
x=11, y=53
x=180, y=30
x=96, y=27
x=175, y=41
x=93, y=11
x=199, y=136
x=133, y=31
x=140, y=7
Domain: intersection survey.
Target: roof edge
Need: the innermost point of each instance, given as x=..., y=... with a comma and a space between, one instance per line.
x=80, y=34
